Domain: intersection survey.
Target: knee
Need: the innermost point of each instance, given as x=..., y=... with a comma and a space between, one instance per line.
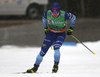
x=42, y=53
x=57, y=45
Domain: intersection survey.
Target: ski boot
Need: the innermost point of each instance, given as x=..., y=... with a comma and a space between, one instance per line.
x=55, y=67
x=33, y=70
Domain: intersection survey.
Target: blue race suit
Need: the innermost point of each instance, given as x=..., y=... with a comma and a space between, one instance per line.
x=56, y=38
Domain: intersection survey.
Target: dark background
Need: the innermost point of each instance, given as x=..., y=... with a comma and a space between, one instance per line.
x=81, y=8
x=24, y=32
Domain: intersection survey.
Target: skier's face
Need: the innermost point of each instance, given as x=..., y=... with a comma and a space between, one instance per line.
x=55, y=14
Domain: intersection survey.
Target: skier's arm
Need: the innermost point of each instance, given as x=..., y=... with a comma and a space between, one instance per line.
x=69, y=16
x=73, y=21
x=44, y=19
x=45, y=23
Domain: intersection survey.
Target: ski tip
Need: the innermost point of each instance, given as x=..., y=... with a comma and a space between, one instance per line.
x=94, y=53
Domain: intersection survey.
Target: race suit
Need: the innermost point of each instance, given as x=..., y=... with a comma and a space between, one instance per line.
x=56, y=34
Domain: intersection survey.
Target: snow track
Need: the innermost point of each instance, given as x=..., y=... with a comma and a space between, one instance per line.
x=76, y=61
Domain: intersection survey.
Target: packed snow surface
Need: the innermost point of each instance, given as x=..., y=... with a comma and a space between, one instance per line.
x=76, y=61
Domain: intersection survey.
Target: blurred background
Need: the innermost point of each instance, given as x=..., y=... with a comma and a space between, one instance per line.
x=21, y=20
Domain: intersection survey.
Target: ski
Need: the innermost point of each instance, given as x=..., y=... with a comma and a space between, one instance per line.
x=20, y=73
x=29, y=73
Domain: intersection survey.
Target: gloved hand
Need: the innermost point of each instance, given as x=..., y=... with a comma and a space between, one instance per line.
x=69, y=31
x=46, y=31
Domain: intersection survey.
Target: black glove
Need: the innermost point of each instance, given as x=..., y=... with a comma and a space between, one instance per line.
x=46, y=31
x=69, y=31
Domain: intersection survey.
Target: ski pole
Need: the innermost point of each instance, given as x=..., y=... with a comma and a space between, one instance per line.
x=82, y=44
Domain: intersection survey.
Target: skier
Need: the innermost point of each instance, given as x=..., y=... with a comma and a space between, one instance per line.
x=55, y=25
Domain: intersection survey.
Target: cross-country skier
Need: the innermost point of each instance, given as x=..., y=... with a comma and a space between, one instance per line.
x=55, y=25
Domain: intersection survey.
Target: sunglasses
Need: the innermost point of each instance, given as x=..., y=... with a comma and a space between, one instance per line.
x=55, y=12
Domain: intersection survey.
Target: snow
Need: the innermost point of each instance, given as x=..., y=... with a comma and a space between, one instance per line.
x=76, y=61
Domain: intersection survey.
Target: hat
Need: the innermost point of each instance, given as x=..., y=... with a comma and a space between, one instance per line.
x=55, y=6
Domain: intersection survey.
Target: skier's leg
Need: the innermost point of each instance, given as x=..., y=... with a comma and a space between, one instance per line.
x=57, y=45
x=45, y=46
x=57, y=55
x=44, y=49
x=48, y=41
x=39, y=59
x=36, y=65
